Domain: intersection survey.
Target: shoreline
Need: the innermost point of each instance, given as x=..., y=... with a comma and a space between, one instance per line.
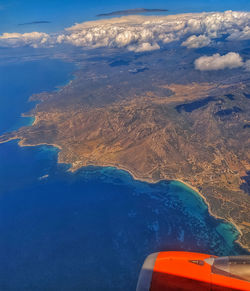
x=21, y=143
x=197, y=192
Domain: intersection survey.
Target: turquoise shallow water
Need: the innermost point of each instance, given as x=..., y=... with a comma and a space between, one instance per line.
x=90, y=230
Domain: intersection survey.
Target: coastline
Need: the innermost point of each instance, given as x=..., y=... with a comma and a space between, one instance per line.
x=197, y=192
x=22, y=143
x=135, y=176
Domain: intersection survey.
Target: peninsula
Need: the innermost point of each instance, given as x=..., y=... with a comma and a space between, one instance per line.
x=145, y=123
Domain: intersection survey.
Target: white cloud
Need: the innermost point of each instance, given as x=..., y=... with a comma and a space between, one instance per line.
x=144, y=47
x=243, y=34
x=34, y=39
x=10, y=35
x=141, y=33
x=151, y=32
x=196, y=41
x=217, y=62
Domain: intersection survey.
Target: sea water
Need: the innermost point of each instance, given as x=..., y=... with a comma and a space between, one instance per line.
x=19, y=80
x=89, y=230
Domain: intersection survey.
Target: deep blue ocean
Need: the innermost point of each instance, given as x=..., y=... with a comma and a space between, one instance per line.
x=90, y=230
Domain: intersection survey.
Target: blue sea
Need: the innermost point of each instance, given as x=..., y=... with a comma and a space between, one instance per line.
x=89, y=230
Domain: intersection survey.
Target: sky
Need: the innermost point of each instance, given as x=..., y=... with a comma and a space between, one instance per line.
x=64, y=13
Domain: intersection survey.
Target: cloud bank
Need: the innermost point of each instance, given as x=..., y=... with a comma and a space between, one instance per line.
x=136, y=32
x=143, y=33
x=217, y=62
x=33, y=39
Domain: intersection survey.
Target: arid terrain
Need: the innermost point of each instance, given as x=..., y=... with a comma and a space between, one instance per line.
x=196, y=132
